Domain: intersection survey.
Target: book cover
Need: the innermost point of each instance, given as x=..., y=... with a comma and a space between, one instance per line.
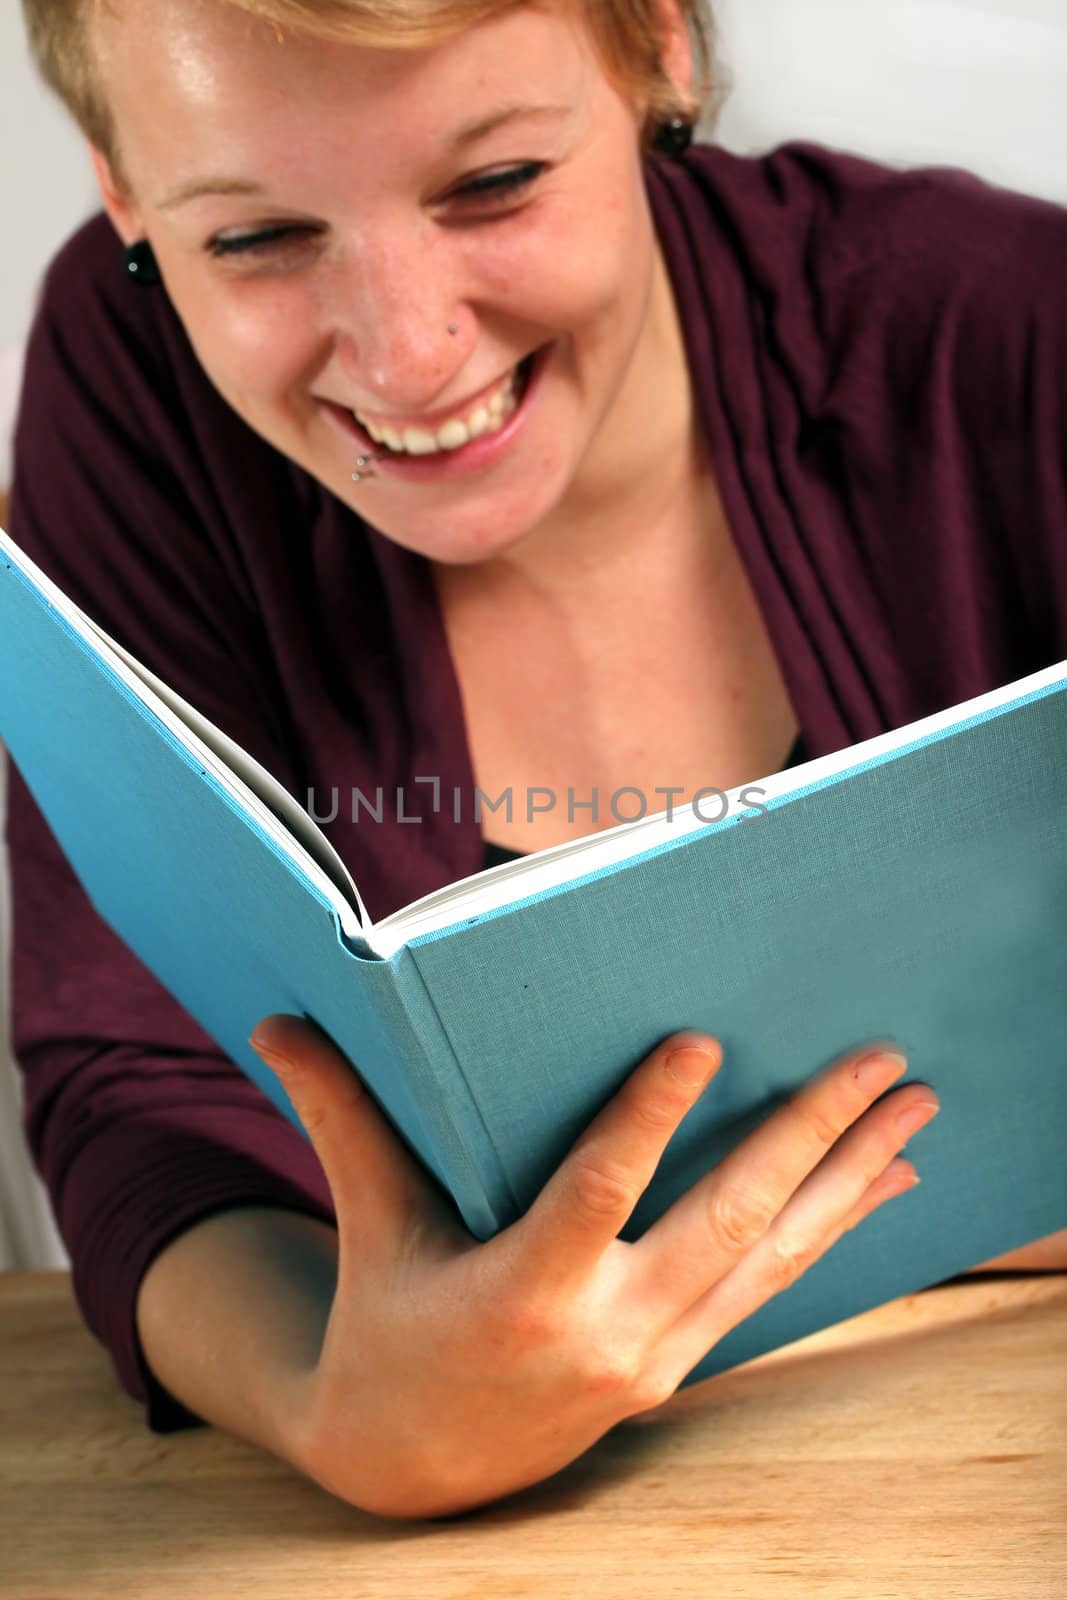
x=915, y=888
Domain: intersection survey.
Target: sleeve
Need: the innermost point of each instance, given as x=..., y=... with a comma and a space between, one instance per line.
x=1010, y=386
x=138, y=1124
x=945, y=377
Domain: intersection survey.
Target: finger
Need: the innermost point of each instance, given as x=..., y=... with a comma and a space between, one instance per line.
x=823, y=1209
x=898, y=1177
x=701, y=1328
x=860, y=1176
x=586, y=1202
x=376, y=1184
x=711, y=1227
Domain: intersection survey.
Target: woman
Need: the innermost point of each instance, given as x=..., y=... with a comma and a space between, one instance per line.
x=452, y=431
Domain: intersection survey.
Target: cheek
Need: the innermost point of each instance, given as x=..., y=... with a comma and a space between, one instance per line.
x=557, y=269
x=255, y=345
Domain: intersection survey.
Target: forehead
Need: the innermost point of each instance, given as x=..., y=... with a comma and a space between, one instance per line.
x=199, y=49
x=189, y=80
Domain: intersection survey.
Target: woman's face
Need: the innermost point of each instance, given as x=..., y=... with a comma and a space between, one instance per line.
x=322, y=212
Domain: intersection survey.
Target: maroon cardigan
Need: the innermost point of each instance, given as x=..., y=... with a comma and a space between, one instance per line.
x=880, y=367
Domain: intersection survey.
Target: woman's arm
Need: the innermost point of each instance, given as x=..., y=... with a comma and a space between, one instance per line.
x=232, y=1309
x=239, y=1304
x=1044, y=1255
x=140, y=1127
x=413, y=1371
x=236, y=1306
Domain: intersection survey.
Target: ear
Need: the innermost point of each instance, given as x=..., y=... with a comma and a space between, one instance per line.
x=120, y=207
x=676, y=49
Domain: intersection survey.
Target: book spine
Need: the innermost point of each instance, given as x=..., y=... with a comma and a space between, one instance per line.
x=406, y=1057
x=466, y=1159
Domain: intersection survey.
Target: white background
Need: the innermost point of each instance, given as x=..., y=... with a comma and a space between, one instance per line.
x=974, y=83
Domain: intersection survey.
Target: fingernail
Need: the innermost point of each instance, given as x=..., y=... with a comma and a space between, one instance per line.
x=692, y=1065
x=267, y=1051
x=917, y=1116
x=878, y=1069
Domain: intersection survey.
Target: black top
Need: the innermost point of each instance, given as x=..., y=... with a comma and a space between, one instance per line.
x=497, y=854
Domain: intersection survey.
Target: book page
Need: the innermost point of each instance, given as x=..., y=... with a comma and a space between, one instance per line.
x=554, y=867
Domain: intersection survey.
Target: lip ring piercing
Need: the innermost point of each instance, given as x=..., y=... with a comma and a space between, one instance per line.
x=365, y=468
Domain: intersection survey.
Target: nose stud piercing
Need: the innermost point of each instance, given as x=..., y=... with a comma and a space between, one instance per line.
x=365, y=464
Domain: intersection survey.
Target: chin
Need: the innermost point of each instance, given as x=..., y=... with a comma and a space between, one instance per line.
x=457, y=546
x=482, y=523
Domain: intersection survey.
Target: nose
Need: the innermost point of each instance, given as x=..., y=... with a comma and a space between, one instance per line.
x=392, y=315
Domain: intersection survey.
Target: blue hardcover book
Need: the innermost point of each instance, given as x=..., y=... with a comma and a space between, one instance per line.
x=913, y=886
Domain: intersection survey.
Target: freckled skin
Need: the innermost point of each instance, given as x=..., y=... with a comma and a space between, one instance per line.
x=357, y=309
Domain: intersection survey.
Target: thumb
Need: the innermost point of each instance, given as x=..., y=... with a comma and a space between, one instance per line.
x=375, y=1182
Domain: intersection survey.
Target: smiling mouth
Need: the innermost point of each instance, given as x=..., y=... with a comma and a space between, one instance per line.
x=486, y=416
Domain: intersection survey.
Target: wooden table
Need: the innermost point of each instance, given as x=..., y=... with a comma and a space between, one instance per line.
x=918, y=1451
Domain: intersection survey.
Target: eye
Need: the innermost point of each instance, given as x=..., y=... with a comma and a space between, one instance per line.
x=249, y=243
x=503, y=184
x=489, y=186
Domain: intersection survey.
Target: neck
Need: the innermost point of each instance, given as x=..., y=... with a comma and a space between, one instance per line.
x=644, y=503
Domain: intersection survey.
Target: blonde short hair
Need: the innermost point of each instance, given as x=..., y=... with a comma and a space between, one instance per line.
x=624, y=33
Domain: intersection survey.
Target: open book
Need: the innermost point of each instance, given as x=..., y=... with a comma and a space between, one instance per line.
x=913, y=887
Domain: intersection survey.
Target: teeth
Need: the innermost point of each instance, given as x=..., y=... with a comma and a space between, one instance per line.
x=488, y=416
x=452, y=435
x=418, y=443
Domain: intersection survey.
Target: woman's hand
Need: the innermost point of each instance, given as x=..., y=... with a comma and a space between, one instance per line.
x=453, y=1372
